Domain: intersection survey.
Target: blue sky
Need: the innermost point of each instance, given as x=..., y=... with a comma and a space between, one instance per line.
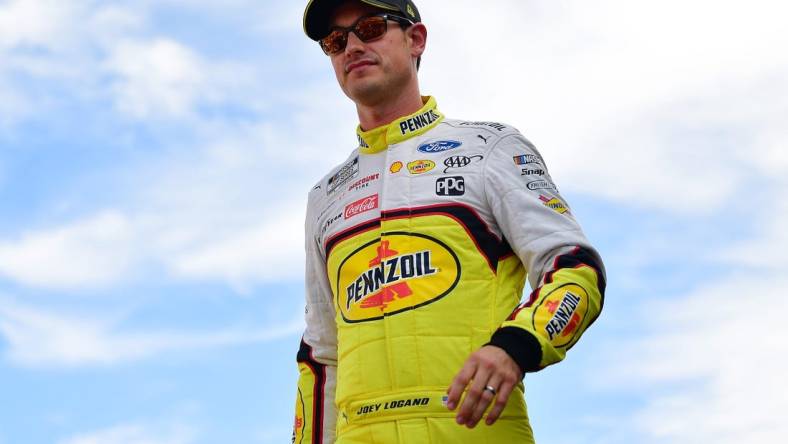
x=155, y=158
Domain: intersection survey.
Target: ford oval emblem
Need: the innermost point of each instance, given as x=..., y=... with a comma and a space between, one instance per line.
x=439, y=146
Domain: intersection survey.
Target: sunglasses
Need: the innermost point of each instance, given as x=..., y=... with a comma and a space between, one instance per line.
x=367, y=29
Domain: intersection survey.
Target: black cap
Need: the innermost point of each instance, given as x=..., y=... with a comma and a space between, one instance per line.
x=318, y=13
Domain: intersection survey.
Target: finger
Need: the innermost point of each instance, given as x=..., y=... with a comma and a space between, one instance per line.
x=459, y=383
x=500, y=401
x=485, y=399
x=473, y=394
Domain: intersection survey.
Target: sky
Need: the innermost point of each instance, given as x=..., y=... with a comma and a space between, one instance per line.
x=155, y=158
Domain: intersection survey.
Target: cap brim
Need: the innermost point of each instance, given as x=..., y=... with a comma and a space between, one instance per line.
x=318, y=13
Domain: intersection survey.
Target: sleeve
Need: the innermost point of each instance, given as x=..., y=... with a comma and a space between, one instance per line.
x=565, y=271
x=315, y=415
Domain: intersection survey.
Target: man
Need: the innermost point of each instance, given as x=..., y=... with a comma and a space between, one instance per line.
x=417, y=249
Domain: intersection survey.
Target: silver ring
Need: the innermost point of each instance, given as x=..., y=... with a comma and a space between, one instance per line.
x=490, y=389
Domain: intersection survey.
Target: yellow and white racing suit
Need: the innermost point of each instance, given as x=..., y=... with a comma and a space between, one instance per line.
x=417, y=250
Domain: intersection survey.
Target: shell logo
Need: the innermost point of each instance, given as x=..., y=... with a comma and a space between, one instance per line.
x=420, y=166
x=560, y=315
x=395, y=167
x=398, y=272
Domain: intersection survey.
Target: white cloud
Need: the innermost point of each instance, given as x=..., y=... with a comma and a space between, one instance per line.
x=162, y=76
x=611, y=91
x=91, y=252
x=77, y=45
x=219, y=216
x=136, y=434
x=40, y=339
x=717, y=361
x=268, y=252
x=43, y=23
x=13, y=106
x=712, y=363
x=765, y=250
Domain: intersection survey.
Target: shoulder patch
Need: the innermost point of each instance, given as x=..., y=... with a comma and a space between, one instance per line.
x=341, y=174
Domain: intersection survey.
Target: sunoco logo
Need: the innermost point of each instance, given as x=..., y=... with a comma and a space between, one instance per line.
x=397, y=273
x=439, y=146
x=561, y=314
x=554, y=204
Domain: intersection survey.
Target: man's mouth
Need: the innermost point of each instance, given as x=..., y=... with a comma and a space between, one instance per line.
x=358, y=64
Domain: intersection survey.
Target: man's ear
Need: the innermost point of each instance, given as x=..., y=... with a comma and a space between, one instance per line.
x=417, y=34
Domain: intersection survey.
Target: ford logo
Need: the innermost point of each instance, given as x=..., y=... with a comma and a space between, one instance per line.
x=437, y=147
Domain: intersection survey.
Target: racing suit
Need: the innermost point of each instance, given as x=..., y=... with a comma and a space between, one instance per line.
x=417, y=250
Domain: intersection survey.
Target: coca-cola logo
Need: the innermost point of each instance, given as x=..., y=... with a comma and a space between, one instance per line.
x=361, y=206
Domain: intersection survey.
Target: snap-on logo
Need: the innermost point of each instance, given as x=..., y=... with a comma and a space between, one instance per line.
x=397, y=272
x=439, y=146
x=361, y=206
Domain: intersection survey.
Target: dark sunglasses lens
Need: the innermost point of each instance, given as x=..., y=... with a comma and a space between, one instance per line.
x=334, y=42
x=371, y=28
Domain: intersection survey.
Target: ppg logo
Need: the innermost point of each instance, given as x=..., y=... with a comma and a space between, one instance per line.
x=450, y=186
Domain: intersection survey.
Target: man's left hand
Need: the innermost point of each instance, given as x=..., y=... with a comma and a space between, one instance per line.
x=488, y=374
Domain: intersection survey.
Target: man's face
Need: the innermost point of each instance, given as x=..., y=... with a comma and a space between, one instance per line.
x=369, y=73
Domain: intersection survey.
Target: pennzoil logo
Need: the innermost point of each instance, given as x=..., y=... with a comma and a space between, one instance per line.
x=420, y=166
x=361, y=142
x=398, y=272
x=419, y=122
x=561, y=314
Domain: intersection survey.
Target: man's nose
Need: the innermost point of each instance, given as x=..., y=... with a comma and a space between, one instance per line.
x=354, y=44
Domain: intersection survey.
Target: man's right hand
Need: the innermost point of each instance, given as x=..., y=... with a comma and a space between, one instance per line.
x=488, y=374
